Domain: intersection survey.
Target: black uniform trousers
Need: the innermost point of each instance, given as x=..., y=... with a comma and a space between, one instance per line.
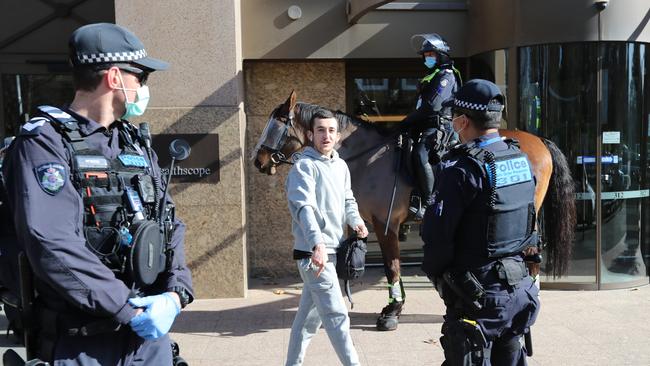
x=121, y=348
x=507, y=311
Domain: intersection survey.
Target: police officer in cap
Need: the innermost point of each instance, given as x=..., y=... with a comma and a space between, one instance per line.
x=86, y=194
x=428, y=125
x=480, y=221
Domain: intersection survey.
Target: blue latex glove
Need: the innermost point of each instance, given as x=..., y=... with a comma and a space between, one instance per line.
x=158, y=316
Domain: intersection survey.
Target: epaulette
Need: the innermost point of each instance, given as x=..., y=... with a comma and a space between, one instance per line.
x=62, y=122
x=60, y=117
x=33, y=126
x=46, y=114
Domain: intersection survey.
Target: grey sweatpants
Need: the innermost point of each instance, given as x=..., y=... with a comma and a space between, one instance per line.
x=321, y=302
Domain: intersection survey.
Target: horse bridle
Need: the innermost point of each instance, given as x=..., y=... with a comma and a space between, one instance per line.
x=277, y=157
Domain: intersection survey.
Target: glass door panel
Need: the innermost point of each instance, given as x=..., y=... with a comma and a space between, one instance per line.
x=622, y=184
x=557, y=100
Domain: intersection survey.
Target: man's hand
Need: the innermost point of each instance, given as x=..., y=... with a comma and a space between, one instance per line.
x=362, y=230
x=158, y=315
x=319, y=258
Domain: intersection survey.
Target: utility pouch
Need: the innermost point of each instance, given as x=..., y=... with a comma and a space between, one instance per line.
x=511, y=270
x=146, y=188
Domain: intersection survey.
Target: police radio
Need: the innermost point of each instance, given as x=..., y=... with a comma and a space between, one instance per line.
x=145, y=134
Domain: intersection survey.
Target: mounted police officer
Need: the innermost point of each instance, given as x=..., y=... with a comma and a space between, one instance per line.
x=85, y=190
x=428, y=125
x=481, y=220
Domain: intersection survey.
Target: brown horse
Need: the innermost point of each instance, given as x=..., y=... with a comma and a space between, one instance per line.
x=371, y=156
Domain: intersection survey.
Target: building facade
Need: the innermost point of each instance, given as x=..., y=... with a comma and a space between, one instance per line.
x=573, y=71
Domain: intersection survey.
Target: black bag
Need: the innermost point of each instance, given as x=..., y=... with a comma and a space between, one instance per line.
x=351, y=261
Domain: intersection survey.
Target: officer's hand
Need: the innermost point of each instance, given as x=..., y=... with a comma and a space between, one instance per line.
x=362, y=230
x=158, y=316
x=319, y=258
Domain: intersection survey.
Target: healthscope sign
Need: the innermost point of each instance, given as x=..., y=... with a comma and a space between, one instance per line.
x=203, y=164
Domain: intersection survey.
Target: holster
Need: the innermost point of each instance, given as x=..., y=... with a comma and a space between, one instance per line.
x=465, y=285
x=463, y=343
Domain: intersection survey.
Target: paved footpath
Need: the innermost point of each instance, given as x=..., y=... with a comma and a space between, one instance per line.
x=574, y=327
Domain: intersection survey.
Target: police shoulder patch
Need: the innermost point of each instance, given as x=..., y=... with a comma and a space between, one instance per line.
x=50, y=177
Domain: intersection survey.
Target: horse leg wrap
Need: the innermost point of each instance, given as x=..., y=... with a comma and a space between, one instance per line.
x=389, y=317
x=396, y=292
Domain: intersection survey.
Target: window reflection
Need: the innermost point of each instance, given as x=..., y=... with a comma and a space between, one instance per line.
x=493, y=66
x=26, y=92
x=558, y=99
x=385, y=90
x=385, y=97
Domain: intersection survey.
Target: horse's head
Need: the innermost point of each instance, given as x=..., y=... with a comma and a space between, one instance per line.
x=280, y=138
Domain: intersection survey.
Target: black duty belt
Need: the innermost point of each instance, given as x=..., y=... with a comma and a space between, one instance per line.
x=70, y=325
x=506, y=269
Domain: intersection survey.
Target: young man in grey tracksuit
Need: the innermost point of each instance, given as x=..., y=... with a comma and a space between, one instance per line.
x=321, y=205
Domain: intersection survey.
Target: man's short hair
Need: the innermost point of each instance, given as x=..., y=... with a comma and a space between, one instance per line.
x=322, y=113
x=87, y=78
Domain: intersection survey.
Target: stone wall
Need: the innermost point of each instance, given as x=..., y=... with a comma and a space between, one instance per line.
x=201, y=93
x=267, y=84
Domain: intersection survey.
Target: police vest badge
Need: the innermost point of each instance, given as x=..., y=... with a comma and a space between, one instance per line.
x=132, y=160
x=51, y=177
x=511, y=171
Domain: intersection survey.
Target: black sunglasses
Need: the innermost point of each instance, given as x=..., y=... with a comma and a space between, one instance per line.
x=141, y=75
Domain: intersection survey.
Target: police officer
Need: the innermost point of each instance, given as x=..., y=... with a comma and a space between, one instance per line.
x=428, y=124
x=474, y=233
x=86, y=193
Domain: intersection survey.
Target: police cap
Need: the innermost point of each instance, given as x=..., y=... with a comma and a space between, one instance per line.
x=107, y=43
x=476, y=95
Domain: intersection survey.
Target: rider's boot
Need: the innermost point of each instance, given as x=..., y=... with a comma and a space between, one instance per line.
x=425, y=182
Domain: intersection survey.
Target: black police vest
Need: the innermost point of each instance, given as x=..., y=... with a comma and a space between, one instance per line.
x=121, y=202
x=425, y=87
x=508, y=204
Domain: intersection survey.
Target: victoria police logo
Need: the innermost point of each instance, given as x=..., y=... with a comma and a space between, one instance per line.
x=51, y=177
x=512, y=171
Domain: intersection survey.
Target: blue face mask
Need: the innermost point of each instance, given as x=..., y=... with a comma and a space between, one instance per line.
x=430, y=61
x=139, y=105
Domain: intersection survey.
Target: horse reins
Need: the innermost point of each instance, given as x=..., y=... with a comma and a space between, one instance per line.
x=371, y=148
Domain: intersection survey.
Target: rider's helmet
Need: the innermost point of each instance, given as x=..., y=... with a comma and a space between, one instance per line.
x=431, y=42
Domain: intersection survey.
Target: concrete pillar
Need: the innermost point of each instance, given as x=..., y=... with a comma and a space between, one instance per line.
x=201, y=93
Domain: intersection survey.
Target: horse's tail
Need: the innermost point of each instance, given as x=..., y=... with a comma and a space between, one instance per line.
x=560, y=213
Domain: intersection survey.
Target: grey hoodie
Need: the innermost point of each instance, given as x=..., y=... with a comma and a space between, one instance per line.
x=320, y=201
